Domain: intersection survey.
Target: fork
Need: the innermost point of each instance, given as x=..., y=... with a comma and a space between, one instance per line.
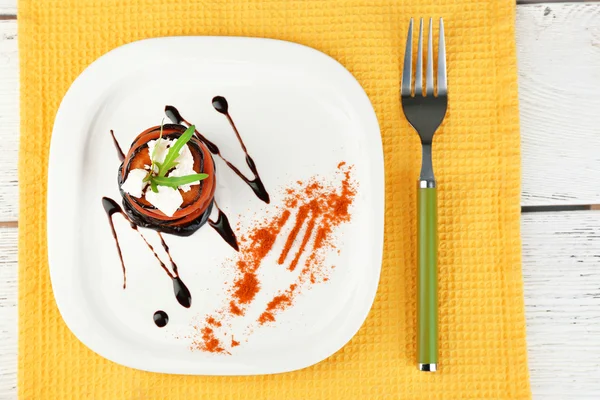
x=425, y=111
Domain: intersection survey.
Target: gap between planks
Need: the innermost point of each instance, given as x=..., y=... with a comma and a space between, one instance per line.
x=553, y=208
x=523, y=2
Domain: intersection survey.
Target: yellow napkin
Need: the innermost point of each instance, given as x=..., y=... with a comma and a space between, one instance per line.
x=477, y=161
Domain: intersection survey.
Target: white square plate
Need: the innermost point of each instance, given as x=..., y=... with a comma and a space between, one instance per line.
x=300, y=113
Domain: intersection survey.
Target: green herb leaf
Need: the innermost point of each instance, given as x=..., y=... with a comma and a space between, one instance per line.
x=176, y=181
x=174, y=150
x=169, y=162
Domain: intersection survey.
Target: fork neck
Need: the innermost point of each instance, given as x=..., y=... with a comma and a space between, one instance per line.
x=426, y=178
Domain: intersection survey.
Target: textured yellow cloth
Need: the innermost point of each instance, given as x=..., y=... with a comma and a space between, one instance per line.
x=477, y=161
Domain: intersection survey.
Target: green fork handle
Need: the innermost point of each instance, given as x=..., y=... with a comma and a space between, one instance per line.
x=427, y=283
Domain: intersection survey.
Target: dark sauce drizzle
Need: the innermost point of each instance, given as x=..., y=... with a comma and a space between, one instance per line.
x=182, y=293
x=120, y=153
x=166, y=247
x=111, y=207
x=220, y=104
x=161, y=318
x=221, y=225
x=223, y=228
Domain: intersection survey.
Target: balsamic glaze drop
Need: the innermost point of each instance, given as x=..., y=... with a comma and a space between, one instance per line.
x=223, y=228
x=259, y=190
x=220, y=104
x=110, y=206
x=173, y=114
x=161, y=319
x=182, y=293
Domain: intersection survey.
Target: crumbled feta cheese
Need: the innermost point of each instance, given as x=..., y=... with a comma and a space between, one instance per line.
x=185, y=166
x=185, y=160
x=134, y=184
x=161, y=150
x=166, y=200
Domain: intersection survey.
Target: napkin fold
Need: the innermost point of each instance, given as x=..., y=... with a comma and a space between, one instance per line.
x=477, y=161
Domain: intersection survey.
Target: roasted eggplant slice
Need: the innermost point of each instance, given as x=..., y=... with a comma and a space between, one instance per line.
x=197, y=202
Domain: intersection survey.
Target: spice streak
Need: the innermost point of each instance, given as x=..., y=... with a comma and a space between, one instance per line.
x=317, y=203
x=300, y=218
x=309, y=229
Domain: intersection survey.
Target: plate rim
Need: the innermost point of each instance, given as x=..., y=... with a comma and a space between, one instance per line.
x=57, y=253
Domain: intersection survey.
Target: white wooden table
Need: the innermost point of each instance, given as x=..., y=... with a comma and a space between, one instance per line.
x=559, y=78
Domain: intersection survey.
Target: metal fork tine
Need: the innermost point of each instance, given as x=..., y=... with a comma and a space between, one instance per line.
x=429, y=76
x=442, y=83
x=419, y=72
x=407, y=70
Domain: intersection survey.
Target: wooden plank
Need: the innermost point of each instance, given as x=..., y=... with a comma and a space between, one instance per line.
x=9, y=120
x=561, y=161
x=559, y=56
x=561, y=268
x=8, y=7
x=561, y=271
x=8, y=313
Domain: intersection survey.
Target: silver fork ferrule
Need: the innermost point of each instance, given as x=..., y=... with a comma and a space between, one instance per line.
x=428, y=367
x=426, y=184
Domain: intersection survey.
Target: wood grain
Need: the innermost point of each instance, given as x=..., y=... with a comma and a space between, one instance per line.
x=559, y=58
x=8, y=313
x=561, y=271
x=9, y=120
x=8, y=7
